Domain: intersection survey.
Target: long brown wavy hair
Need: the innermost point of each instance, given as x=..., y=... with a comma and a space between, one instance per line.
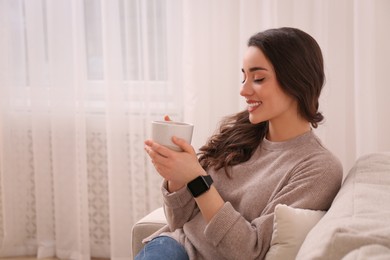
x=298, y=64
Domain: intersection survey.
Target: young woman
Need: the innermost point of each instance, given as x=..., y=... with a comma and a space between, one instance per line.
x=220, y=204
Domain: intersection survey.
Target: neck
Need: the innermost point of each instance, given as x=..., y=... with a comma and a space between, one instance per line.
x=283, y=131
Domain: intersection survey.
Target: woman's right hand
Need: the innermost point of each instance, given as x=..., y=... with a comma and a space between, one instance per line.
x=178, y=168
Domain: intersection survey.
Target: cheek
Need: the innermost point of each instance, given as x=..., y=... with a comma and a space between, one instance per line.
x=284, y=103
x=276, y=101
x=261, y=91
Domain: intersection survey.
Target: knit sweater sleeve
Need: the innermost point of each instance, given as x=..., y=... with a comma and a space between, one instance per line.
x=179, y=207
x=311, y=185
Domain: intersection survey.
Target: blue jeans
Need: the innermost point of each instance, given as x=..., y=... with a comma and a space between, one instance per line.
x=161, y=248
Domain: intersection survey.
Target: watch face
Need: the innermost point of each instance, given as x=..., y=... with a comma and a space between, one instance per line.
x=198, y=186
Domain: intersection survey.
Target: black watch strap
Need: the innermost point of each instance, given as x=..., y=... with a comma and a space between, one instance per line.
x=199, y=185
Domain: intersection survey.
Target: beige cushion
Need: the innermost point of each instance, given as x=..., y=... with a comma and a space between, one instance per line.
x=291, y=226
x=145, y=227
x=372, y=252
x=359, y=215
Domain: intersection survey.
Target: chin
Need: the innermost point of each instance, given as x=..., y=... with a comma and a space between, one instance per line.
x=255, y=121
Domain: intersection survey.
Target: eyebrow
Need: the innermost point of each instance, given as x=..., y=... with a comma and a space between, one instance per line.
x=254, y=69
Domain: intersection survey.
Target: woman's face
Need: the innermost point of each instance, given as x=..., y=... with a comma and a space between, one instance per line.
x=264, y=96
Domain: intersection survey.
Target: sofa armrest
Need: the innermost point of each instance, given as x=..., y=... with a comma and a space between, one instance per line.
x=145, y=227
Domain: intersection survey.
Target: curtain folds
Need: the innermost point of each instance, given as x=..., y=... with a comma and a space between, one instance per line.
x=80, y=81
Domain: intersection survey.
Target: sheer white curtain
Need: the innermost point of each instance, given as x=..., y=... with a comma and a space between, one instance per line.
x=81, y=80
x=80, y=83
x=354, y=36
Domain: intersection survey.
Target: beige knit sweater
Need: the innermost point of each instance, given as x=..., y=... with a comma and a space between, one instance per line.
x=300, y=172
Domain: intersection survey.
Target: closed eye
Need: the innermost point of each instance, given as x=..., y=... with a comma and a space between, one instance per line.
x=244, y=78
x=258, y=80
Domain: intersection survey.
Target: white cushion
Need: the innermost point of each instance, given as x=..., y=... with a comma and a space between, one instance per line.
x=291, y=226
x=359, y=215
x=372, y=252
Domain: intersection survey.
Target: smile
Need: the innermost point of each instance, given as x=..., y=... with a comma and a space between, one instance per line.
x=253, y=105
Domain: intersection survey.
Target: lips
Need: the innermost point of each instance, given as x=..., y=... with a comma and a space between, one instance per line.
x=252, y=105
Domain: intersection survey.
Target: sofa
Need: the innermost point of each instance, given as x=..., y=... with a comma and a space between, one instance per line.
x=357, y=225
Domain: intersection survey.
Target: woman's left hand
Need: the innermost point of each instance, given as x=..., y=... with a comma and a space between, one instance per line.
x=177, y=167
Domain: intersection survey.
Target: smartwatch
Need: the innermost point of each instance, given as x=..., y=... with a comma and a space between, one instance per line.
x=199, y=185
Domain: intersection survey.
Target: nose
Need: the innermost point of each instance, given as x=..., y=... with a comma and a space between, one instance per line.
x=246, y=89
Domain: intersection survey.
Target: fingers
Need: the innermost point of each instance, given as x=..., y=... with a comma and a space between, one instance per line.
x=172, y=165
x=155, y=150
x=158, y=156
x=183, y=144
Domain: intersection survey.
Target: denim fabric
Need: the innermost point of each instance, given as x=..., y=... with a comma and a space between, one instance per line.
x=161, y=248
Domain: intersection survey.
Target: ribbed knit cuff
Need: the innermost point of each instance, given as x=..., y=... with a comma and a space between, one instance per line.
x=221, y=223
x=177, y=199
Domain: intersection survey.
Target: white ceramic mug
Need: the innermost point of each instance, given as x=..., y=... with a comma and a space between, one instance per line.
x=163, y=131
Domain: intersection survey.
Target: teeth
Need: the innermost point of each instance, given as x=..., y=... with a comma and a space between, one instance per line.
x=254, y=104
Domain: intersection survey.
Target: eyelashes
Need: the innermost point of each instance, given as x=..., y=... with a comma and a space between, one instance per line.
x=257, y=81
x=243, y=80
